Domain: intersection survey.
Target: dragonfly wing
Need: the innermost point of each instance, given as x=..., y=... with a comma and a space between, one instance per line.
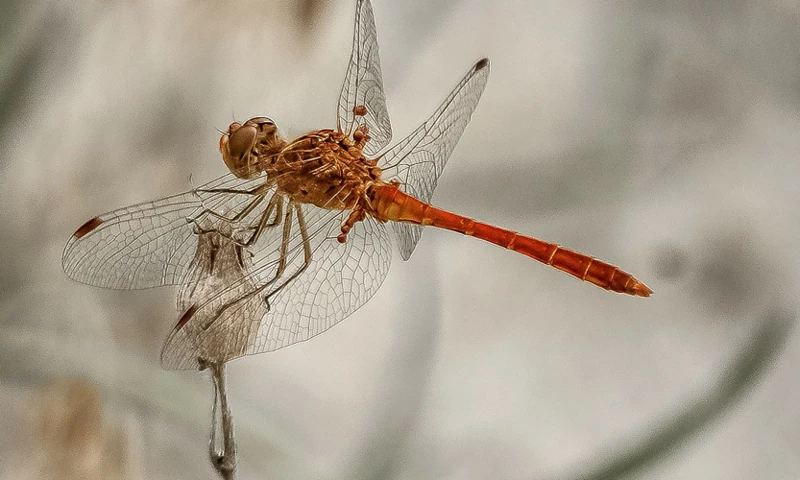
x=418, y=160
x=363, y=84
x=235, y=321
x=149, y=244
x=341, y=278
x=220, y=273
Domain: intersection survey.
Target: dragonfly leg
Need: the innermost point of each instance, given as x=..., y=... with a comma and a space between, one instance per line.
x=358, y=214
x=260, y=192
x=301, y=221
x=243, y=213
x=307, y=255
x=276, y=203
x=253, y=191
x=287, y=231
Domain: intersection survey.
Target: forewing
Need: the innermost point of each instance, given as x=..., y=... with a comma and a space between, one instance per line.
x=339, y=279
x=418, y=160
x=148, y=244
x=363, y=84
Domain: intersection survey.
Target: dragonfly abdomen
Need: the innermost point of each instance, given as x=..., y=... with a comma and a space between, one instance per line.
x=393, y=204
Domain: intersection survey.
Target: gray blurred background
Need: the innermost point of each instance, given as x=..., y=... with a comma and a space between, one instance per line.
x=661, y=136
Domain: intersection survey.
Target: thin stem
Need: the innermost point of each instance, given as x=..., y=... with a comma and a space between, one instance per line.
x=224, y=460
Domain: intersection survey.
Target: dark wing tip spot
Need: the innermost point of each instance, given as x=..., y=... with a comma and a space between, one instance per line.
x=482, y=63
x=186, y=317
x=87, y=227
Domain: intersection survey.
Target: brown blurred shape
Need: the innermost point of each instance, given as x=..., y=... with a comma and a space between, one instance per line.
x=71, y=439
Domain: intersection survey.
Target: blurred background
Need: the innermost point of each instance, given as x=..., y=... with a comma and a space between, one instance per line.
x=657, y=135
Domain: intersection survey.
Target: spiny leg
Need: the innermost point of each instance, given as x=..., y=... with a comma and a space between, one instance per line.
x=358, y=214
x=260, y=192
x=301, y=221
x=275, y=203
x=287, y=230
x=253, y=191
x=198, y=229
x=307, y=256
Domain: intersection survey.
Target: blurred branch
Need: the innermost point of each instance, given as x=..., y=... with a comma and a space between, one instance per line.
x=743, y=372
x=223, y=460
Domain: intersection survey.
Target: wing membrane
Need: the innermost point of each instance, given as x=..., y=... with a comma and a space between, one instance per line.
x=339, y=279
x=149, y=244
x=363, y=84
x=220, y=273
x=418, y=160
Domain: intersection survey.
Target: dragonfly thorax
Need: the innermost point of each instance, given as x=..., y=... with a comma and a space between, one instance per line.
x=325, y=168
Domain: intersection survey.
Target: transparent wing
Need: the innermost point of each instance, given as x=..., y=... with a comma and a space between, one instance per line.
x=149, y=244
x=363, y=84
x=221, y=272
x=236, y=320
x=418, y=160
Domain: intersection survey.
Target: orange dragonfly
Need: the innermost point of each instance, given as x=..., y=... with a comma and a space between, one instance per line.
x=304, y=221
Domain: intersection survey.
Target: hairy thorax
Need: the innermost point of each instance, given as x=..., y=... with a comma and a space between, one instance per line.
x=324, y=168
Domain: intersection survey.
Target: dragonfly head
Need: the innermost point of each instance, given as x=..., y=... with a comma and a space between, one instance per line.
x=242, y=145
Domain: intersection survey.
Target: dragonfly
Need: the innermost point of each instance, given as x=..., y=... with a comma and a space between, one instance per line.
x=294, y=238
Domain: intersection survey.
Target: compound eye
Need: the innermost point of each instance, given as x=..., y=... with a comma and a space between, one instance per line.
x=233, y=127
x=241, y=141
x=264, y=124
x=260, y=121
